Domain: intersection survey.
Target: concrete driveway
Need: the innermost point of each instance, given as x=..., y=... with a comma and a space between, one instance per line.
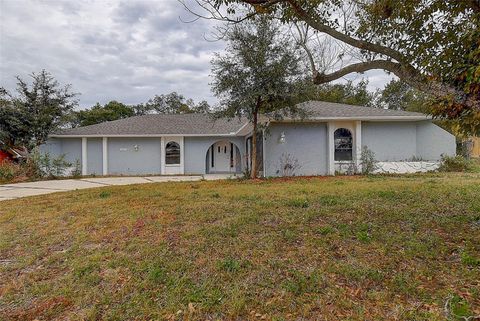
x=18, y=190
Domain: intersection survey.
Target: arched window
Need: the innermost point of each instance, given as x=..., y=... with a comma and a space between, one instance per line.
x=343, y=144
x=172, y=153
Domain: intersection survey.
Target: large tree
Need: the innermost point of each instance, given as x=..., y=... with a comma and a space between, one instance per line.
x=172, y=103
x=432, y=45
x=35, y=111
x=257, y=75
x=113, y=110
x=175, y=103
x=345, y=93
x=14, y=125
x=400, y=96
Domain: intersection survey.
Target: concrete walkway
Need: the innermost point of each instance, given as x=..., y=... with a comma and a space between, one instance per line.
x=18, y=190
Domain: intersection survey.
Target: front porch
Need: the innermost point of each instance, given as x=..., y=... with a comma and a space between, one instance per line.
x=223, y=157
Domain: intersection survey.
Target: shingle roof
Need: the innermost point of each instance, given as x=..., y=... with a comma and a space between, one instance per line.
x=322, y=109
x=202, y=124
x=160, y=124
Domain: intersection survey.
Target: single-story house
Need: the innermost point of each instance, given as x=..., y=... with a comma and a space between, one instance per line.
x=329, y=139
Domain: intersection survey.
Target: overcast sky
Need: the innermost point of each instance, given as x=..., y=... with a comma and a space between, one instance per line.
x=123, y=50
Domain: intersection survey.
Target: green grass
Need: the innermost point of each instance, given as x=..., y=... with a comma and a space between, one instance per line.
x=349, y=248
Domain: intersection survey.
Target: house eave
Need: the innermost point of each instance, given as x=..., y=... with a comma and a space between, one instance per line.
x=139, y=135
x=367, y=118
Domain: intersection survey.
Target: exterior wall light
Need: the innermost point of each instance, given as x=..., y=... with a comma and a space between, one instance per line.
x=135, y=148
x=282, y=138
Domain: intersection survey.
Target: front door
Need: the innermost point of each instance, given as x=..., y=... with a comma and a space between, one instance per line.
x=222, y=157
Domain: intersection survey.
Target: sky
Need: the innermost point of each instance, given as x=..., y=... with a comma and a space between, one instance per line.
x=128, y=51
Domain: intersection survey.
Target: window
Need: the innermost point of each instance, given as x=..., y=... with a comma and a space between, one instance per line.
x=172, y=153
x=343, y=144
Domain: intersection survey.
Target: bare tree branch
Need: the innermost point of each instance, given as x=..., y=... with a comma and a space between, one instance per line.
x=407, y=73
x=213, y=13
x=360, y=67
x=361, y=44
x=302, y=41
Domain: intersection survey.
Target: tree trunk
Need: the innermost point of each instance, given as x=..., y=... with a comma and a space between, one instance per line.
x=253, y=173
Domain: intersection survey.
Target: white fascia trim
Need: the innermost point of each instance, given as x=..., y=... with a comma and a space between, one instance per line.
x=379, y=118
x=153, y=136
x=237, y=133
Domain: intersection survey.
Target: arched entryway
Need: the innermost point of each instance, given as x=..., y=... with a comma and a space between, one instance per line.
x=223, y=157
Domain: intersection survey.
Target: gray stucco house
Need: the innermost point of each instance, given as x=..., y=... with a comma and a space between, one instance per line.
x=328, y=140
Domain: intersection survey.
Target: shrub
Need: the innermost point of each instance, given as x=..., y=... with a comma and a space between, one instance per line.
x=288, y=165
x=456, y=164
x=35, y=166
x=43, y=165
x=247, y=173
x=367, y=160
x=77, y=169
x=9, y=171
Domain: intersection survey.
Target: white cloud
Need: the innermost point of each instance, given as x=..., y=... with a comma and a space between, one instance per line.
x=127, y=51
x=123, y=50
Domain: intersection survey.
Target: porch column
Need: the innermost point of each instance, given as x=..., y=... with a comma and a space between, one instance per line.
x=330, y=148
x=105, y=155
x=358, y=144
x=264, y=153
x=162, y=156
x=84, y=156
x=182, y=155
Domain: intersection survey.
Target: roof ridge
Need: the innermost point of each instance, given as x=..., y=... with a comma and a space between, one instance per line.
x=160, y=124
x=385, y=110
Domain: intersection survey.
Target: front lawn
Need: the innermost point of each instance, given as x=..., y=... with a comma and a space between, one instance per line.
x=345, y=248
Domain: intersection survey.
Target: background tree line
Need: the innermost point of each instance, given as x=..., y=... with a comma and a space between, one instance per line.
x=172, y=103
x=35, y=110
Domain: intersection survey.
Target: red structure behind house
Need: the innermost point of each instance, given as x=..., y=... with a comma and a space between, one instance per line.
x=5, y=156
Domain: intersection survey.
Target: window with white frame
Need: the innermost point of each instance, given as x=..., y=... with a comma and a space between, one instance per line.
x=343, y=144
x=172, y=153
